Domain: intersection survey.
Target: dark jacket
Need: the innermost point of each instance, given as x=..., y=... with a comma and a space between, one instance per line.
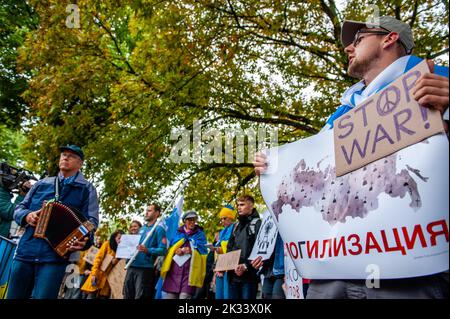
x=243, y=237
x=7, y=211
x=274, y=266
x=78, y=193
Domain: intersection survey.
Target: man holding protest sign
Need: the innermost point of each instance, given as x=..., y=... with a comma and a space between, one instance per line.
x=140, y=278
x=379, y=53
x=243, y=281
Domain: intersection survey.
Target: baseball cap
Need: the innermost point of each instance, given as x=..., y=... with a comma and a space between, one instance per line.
x=350, y=28
x=73, y=148
x=189, y=214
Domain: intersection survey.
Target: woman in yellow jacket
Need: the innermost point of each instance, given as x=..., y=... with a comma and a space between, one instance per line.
x=96, y=284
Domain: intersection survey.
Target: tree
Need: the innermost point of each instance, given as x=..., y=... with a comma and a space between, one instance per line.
x=135, y=71
x=16, y=20
x=10, y=143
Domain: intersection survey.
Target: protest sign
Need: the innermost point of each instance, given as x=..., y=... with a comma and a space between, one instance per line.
x=383, y=124
x=228, y=261
x=90, y=255
x=266, y=239
x=293, y=281
x=116, y=279
x=391, y=213
x=127, y=246
x=106, y=262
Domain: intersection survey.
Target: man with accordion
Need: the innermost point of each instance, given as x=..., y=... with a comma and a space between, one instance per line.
x=60, y=215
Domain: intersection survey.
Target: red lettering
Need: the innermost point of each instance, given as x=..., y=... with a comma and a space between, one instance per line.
x=325, y=241
x=337, y=247
x=294, y=255
x=398, y=246
x=371, y=238
x=300, y=243
x=314, y=248
x=410, y=241
x=356, y=243
x=434, y=234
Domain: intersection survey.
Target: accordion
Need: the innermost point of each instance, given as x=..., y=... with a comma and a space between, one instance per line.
x=61, y=226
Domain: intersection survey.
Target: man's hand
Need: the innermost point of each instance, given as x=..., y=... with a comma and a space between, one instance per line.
x=219, y=273
x=78, y=244
x=260, y=163
x=33, y=218
x=240, y=269
x=93, y=281
x=257, y=263
x=143, y=249
x=431, y=90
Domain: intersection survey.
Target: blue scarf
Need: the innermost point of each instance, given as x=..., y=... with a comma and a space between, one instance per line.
x=358, y=92
x=225, y=233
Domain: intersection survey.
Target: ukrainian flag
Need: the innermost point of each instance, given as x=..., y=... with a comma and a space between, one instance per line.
x=7, y=249
x=197, y=269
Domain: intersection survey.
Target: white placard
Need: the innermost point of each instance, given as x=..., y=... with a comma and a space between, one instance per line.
x=293, y=281
x=181, y=260
x=266, y=239
x=127, y=246
x=390, y=215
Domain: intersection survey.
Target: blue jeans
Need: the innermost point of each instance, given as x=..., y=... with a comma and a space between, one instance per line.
x=222, y=287
x=243, y=290
x=273, y=288
x=36, y=281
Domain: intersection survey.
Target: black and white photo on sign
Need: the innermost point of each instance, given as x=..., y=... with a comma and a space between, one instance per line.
x=266, y=239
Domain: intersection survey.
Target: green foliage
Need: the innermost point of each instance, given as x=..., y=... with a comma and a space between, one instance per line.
x=16, y=20
x=10, y=143
x=136, y=70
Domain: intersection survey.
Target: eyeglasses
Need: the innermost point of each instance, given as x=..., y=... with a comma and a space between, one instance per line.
x=223, y=218
x=358, y=38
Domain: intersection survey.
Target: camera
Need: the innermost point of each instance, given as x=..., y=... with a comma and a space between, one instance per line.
x=12, y=178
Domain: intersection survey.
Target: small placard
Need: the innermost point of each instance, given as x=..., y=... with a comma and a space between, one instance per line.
x=228, y=261
x=116, y=279
x=383, y=124
x=106, y=262
x=90, y=255
x=127, y=246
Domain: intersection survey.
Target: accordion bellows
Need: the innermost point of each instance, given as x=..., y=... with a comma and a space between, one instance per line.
x=61, y=226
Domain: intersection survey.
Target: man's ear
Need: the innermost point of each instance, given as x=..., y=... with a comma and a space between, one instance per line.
x=390, y=39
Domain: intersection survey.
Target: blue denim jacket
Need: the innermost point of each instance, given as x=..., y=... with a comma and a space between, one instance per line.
x=76, y=192
x=278, y=263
